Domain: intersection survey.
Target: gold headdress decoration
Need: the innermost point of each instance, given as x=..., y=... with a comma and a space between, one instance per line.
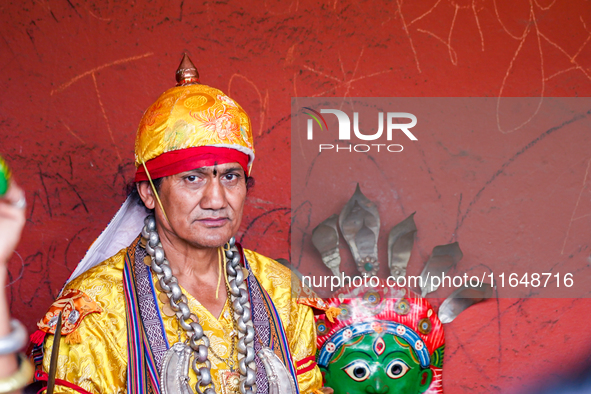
x=187, y=72
x=192, y=125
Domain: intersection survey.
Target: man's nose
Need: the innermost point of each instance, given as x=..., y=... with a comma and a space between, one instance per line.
x=214, y=195
x=376, y=386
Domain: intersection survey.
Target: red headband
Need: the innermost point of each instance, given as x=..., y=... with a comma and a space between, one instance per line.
x=177, y=161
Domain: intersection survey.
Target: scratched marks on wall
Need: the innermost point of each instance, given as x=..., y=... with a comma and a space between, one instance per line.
x=540, y=52
x=59, y=216
x=530, y=14
x=581, y=216
x=92, y=73
x=70, y=179
x=262, y=102
x=343, y=82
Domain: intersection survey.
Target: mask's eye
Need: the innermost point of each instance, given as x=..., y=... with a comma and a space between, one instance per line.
x=397, y=369
x=357, y=370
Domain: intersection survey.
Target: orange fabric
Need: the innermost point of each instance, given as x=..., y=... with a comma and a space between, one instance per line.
x=70, y=301
x=305, y=296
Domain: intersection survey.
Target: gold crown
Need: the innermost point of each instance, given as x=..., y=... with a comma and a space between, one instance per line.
x=192, y=115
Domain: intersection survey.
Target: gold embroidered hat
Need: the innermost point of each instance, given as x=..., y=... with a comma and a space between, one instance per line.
x=191, y=126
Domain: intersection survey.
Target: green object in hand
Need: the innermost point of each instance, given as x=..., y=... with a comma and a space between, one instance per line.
x=4, y=177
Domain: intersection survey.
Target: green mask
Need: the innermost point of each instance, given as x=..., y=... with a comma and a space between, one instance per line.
x=394, y=368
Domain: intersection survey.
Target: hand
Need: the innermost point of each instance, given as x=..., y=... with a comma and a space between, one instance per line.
x=12, y=220
x=327, y=390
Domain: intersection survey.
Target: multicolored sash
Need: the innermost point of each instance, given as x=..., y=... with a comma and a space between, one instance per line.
x=146, y=339
x=268, y=328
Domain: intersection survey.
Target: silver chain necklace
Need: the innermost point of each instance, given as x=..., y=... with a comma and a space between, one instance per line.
x=195, y=349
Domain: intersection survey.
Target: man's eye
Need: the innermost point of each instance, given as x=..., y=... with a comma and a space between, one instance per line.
x=231, y=177
x=191, y=178
x=357, y=370
x=397, y=369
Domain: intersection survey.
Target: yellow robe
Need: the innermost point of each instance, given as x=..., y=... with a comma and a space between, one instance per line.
x=98, y=363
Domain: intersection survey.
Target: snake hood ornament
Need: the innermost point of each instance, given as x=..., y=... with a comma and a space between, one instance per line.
x=380, y=337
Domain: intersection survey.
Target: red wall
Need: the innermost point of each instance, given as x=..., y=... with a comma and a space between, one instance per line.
x=77, y=76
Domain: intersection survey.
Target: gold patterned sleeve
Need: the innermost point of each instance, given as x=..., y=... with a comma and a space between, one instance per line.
x=93, y=345
x=96, y=363
x=302, y=343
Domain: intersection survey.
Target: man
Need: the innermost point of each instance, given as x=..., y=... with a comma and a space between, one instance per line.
x=182, y=308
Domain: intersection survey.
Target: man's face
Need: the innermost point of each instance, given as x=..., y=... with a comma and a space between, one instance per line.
x=204, y=206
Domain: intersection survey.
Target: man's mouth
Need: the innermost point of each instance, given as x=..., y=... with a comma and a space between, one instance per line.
x=213, y=221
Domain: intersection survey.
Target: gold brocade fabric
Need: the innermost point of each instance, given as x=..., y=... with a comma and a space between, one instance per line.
x=99, y=363
x=192, y=116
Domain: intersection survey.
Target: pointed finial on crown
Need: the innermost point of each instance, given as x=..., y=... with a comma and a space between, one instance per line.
x=187, y=72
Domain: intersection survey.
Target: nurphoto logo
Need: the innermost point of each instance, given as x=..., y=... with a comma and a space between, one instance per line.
x=393, y=125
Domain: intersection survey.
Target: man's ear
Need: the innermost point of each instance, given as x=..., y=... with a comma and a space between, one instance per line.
x=146, y=194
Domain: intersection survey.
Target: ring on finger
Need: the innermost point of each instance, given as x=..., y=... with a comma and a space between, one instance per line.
x=21, y=203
